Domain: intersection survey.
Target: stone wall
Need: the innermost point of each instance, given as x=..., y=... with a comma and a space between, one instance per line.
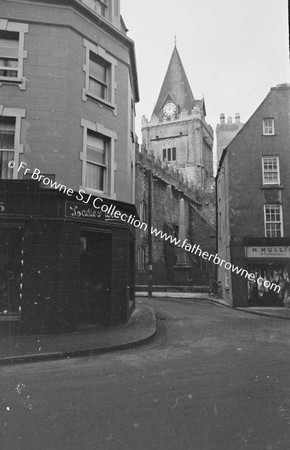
x=168, y=188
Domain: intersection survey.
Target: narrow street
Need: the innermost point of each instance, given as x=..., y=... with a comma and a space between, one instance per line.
x=212, y=378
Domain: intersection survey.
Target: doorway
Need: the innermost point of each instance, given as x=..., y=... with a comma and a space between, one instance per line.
x=95, y=275
x=276, y=272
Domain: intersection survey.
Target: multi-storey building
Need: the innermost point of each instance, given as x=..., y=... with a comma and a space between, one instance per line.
x=68, y=87
x=177, y=132
x=253, y=197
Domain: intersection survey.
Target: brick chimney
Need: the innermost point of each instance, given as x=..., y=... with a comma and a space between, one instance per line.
x=237, y=118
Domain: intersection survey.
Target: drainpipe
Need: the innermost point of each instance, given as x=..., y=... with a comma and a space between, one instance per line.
x=216, y=223
x=150, y=262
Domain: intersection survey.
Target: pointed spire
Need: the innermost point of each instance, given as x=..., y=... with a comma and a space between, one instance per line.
x=175, y=87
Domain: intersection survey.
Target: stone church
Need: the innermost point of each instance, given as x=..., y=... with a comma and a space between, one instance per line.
x=178, y=133
x=176, y=160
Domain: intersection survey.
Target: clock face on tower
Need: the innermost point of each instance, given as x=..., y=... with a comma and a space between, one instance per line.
x=169, y=109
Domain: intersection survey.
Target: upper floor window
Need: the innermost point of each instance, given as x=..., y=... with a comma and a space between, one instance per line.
x=10, y=147
x=273, y=220
x=96, y=161
x=12, y=52
x=99, y=6
x=98, y=157
x=169, y=154
x=268, y=126
x=7, y=140
x=9, y=44
x=98, y=77
x=271, y=171
x=99, y=71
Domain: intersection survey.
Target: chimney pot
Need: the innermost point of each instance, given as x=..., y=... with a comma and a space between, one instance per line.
x=222, y=119
x=237, y=118
x=230, y=120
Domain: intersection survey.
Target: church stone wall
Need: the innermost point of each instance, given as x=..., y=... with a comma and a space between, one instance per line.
x=168, y=188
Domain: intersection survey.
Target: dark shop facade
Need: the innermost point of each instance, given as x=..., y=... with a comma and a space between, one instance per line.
x=62, y=261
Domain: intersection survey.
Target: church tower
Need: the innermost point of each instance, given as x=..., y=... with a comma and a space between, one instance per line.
x=177, y=132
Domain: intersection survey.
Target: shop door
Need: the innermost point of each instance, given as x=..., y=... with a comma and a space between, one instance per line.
x=96, y=270
x=272, y=272
x=11, y=263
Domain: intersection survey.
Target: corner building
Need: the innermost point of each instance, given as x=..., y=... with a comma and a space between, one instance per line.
x=68, y=88
x=253, y=191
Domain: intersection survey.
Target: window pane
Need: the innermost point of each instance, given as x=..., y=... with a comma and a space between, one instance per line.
x=97, y=69
x=174, y=154
x=268, y=126
x=5, y=64
x=270, y=170
x=273, y=220
x=164, y=154
x=96, y=149
x=169, y=154
x=5, y=172
x=7, y=132
x=95, y=156
x=97, y=89
x=95, y=177
x=9, y=45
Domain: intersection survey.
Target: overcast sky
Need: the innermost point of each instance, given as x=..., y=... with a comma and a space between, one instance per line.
x=233, y=51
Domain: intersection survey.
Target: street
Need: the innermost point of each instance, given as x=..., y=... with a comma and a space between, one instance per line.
x=212, y=378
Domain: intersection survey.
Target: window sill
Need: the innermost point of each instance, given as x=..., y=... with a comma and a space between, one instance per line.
x=21, y=82
x=96, y=193
x=274, y=134
x=272, y=186
x=101, y=102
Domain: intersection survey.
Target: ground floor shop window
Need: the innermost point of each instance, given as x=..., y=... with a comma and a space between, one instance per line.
x=11, y=267
x=259, y=294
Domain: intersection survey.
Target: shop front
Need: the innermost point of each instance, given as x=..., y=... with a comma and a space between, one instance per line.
x=63, y=262
x=269, y=261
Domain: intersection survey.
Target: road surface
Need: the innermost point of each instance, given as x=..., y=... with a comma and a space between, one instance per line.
x=212, y=378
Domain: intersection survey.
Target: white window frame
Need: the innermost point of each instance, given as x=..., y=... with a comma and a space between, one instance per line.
x=21, y=28
x=112, y=85
x=111, y=167
x=94, y=5
x=268, y=130
x=273, y=222
x=265, y=182
x=18, y=114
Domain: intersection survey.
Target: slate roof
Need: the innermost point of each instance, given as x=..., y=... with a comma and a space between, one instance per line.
x=175, y=87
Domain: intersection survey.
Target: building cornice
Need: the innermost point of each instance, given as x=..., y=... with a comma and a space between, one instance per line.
x=102, y=23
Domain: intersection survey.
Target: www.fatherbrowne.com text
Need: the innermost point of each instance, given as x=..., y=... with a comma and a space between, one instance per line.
x=111, y=210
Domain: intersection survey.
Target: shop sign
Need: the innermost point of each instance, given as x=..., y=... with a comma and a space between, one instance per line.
x=269, y=251
x=86, y=212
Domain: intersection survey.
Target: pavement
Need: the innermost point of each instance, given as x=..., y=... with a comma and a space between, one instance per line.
x=86, y=341
x=280, y=313
x=94, y=339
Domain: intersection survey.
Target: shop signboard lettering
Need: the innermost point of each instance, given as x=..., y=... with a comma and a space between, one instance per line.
x=78, y=211
x=268, y=251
